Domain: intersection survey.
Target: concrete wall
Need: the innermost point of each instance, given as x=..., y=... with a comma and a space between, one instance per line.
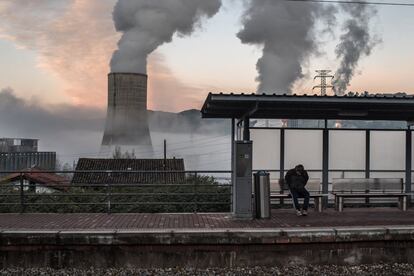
x=206, y=248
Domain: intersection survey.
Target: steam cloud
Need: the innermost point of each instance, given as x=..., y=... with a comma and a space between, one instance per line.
x=286, y=32
x=65, y=128
x=355, y=42
x=72, y=40
x=147, y=24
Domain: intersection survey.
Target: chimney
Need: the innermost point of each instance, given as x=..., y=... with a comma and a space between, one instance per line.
x=126, y=121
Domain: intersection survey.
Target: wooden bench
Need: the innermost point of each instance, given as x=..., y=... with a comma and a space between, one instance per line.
x=368, y=188
x=280, y=190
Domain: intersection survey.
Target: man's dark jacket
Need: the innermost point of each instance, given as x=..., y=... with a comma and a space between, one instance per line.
x=295, y=181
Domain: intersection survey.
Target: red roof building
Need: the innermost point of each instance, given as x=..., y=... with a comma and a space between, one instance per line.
x=38, y=180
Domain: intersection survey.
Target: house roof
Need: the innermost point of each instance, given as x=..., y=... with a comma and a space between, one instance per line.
x=274, y=106
x=112, y=171
x=36, y=175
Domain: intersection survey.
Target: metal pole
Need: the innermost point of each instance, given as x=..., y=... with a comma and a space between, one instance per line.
x=282, y=161
x=22, y=205
x=246, y=129
x=367, y=157
x=233, y=133
x=165, y=161
x=239, y=130
x=367, y=153
x=195, y=193
x=165, y=153
x=408, y=153
x=325, y=164
x=282, y=154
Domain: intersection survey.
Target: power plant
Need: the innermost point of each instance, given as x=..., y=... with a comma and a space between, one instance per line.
x=126, y=121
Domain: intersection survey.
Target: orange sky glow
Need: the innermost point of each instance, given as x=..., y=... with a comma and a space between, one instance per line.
x=73, y=43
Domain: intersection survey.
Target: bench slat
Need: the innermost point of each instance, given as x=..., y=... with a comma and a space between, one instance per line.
x=368, y=188
x=367, y=184
x=370, y=195
x=288, y=195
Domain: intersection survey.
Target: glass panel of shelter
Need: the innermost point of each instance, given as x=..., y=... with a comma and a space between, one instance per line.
x=347, y=152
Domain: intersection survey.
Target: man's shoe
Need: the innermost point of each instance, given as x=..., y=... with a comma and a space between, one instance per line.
x=298, y=213
x=304, y=212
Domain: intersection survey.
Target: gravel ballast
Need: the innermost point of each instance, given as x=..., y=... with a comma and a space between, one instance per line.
x=377, y=270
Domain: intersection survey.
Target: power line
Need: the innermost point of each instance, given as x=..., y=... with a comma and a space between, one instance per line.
x=204, y=154
x=216, y=161
x=195, y=142
x=197, y=139
x=355, y=2
x=198, y=146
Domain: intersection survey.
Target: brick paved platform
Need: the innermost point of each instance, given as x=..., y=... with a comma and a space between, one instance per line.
x=280, y=219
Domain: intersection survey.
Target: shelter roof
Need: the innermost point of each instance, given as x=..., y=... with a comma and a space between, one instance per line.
x=275, y=106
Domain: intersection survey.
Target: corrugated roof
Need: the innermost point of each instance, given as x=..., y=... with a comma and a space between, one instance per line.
x=283, y=106
x=106, y=177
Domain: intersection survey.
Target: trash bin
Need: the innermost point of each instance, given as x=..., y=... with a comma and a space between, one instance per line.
x=262, y=194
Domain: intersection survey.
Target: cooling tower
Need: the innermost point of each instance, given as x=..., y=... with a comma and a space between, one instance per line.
x=126, y=122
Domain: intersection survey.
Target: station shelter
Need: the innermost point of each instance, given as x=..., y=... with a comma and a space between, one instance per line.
x=243, y=109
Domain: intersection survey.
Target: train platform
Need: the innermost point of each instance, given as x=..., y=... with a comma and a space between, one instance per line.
x=355, y=236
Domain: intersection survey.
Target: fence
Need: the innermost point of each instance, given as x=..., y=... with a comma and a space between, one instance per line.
x=116, y=191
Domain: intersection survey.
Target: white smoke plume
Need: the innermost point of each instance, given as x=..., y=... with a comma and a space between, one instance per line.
x=355, y=42
x=147, y=24
x=73, y=41
x=286, y=30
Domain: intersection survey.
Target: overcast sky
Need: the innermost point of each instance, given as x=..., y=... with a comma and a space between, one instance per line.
x=58, y=52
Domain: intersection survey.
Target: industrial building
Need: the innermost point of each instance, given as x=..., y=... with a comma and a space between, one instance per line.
x=127, y=122
x=21, y=153
x=18, y=145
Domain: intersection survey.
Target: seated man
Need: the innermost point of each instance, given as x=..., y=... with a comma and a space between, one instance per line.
x=296, y=180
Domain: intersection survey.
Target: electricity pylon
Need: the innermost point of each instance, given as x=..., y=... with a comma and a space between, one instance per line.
x=323, y=74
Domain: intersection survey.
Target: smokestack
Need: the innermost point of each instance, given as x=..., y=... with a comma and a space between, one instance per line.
x=126, y=122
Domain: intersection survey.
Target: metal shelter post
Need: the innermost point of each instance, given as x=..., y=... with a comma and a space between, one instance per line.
x=367, y=153
x=233, y=134
x=408, y=154
x=282, y=154
x=325, y=163
x=282, y=160
x=246, y=129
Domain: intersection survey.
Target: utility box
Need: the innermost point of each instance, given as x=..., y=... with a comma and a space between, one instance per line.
x=242, y=179
x=262, y=194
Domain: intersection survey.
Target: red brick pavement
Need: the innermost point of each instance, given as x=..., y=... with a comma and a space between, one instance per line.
x=280, y=219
